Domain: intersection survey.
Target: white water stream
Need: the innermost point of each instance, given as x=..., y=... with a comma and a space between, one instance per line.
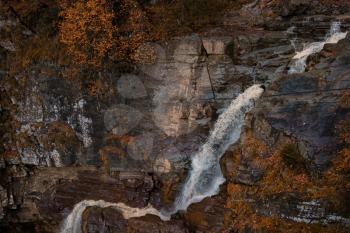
x=205, y=177
x=72, y=223
x=300, y=58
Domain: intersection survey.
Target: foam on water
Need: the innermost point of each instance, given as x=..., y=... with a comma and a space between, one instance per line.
x=205, y=177
x=300, y=58
x=72, y=223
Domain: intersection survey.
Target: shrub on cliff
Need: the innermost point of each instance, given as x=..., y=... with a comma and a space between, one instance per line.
x=93, y=30
x=87, y=30
x=292, y=157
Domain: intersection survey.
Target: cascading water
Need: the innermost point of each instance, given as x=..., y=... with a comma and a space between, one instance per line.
x=72, y=223
x=206, y=177
x=300, y=58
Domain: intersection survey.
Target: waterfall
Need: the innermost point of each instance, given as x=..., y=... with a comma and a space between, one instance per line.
x=334, y=36
x=205, y=177
x=72, y=223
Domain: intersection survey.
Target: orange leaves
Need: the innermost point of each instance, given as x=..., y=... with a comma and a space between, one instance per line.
x=96, y=30
x=99, y=88
x=344, y=101
x=302, y=179
x=343, y=130
x=10, y=154
x=144, y=54
x=339, y=174
x=281, y=178
x=124, y=139
x=133, y=33
x=243, y=214
x=255, y=146
x=87, y=30
x=234, y=189
x=342, y=163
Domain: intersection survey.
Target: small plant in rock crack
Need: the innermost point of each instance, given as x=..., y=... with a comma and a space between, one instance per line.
x=291, y=157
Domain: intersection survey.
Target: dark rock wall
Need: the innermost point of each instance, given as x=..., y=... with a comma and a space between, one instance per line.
x=126, y=134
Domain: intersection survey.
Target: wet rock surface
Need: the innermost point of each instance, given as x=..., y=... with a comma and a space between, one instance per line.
x=133, y=142
x=109, y=220
x=302, y=111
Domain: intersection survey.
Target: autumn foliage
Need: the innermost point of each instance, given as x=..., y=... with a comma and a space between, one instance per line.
x=94, y=30
x=87, y=30
x=97, y=29
x=285, y=172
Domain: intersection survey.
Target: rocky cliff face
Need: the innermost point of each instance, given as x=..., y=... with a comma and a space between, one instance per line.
x=127, y=133
x=296, y=124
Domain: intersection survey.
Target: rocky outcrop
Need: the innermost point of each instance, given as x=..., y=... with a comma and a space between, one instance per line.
x=314, y=110
x=127, y=133
x=295, y=123
x=263, y=11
